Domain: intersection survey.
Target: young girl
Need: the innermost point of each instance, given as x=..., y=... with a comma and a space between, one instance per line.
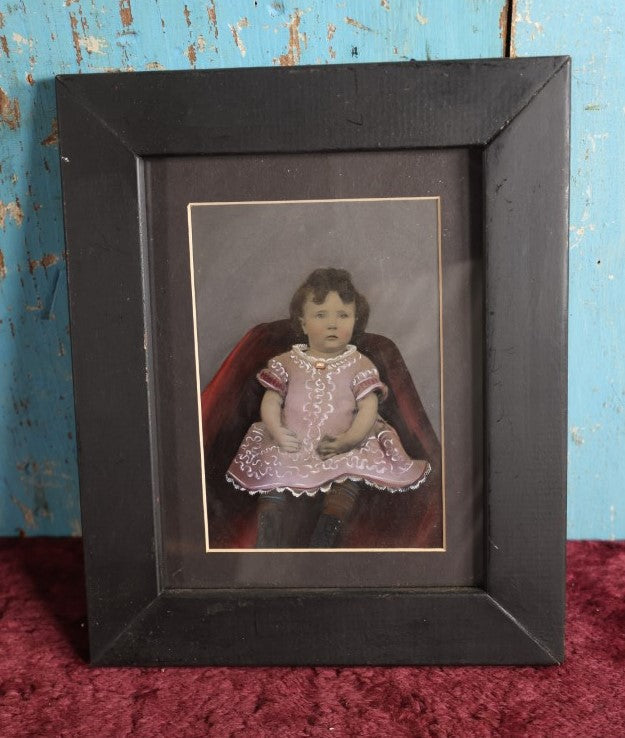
x=320, y=431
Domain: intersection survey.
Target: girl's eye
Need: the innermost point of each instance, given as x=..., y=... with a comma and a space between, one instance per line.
x=320, y=315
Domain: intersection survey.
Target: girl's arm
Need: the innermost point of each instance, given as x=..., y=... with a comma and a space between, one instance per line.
x=357, y=432
x=271, y=415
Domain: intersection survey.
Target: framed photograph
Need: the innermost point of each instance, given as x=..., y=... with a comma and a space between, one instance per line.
x=318, y=322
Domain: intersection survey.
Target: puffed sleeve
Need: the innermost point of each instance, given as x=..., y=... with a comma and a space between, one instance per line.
x=367, y=380
x=274, y=377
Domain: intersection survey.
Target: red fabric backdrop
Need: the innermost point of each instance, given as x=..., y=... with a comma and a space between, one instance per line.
x=46, y=689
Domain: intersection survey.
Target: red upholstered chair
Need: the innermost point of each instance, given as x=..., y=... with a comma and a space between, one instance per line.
x=231, y=403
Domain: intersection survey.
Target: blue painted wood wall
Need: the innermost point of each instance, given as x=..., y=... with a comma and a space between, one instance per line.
x=41, y=38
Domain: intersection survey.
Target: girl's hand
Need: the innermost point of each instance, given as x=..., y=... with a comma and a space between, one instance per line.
x=333, y=445
x=286, y=439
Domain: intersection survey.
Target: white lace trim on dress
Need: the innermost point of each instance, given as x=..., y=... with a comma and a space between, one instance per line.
x=300, y=349
x=326, y=487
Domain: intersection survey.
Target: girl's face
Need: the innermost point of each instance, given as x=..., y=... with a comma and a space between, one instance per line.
x=329, y=325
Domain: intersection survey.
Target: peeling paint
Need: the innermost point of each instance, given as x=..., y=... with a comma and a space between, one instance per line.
x=73, y=21
x=108, y=70
x=513, y=24
x=503, y=25
x=237, y=40
x=5, y=45
x=593, y=106
x=46, y=261
x=212, y=18
x=292, y=56
x=358, y=25
x=93, y=45
x=385, y=4
x=22, y=41
x=421, y=19
x=154, y=65
x=190, y=54
x=9, y=111
x=187, y=15
x=3, y=269
x=125, y=13
x=331, y=31
x=581, y=231
x=52, y=139
x=243, y=23
x=201, y=44
x=30, y=79
x=576, y=436
x=526, y=18
x=1, y=20
x=11, y=210
x=29, y=515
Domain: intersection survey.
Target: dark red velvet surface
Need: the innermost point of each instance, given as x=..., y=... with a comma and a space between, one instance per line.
x=46, y=689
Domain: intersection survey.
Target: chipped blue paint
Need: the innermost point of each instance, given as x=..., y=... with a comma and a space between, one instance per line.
x=593, y=34
x=41, y=38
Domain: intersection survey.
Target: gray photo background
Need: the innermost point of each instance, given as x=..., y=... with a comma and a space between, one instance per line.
x=250, y=258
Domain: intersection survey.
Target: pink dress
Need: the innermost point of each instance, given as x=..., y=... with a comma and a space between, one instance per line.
x=319, y=398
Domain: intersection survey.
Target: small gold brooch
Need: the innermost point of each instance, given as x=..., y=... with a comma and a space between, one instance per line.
x=320, y=365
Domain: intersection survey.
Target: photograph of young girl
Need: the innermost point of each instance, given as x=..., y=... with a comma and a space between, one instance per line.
x=315, y=435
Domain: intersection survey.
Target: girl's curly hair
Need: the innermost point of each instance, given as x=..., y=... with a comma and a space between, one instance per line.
x=317, y=286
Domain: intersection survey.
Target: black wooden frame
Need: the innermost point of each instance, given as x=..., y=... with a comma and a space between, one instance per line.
x=516, y=112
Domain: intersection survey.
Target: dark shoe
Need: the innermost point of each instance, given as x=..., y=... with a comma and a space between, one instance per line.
x=326, y=532
x=269, y=531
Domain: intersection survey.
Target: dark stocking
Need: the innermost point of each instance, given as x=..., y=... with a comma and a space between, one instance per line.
x=270, y=514
x=337, y=507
